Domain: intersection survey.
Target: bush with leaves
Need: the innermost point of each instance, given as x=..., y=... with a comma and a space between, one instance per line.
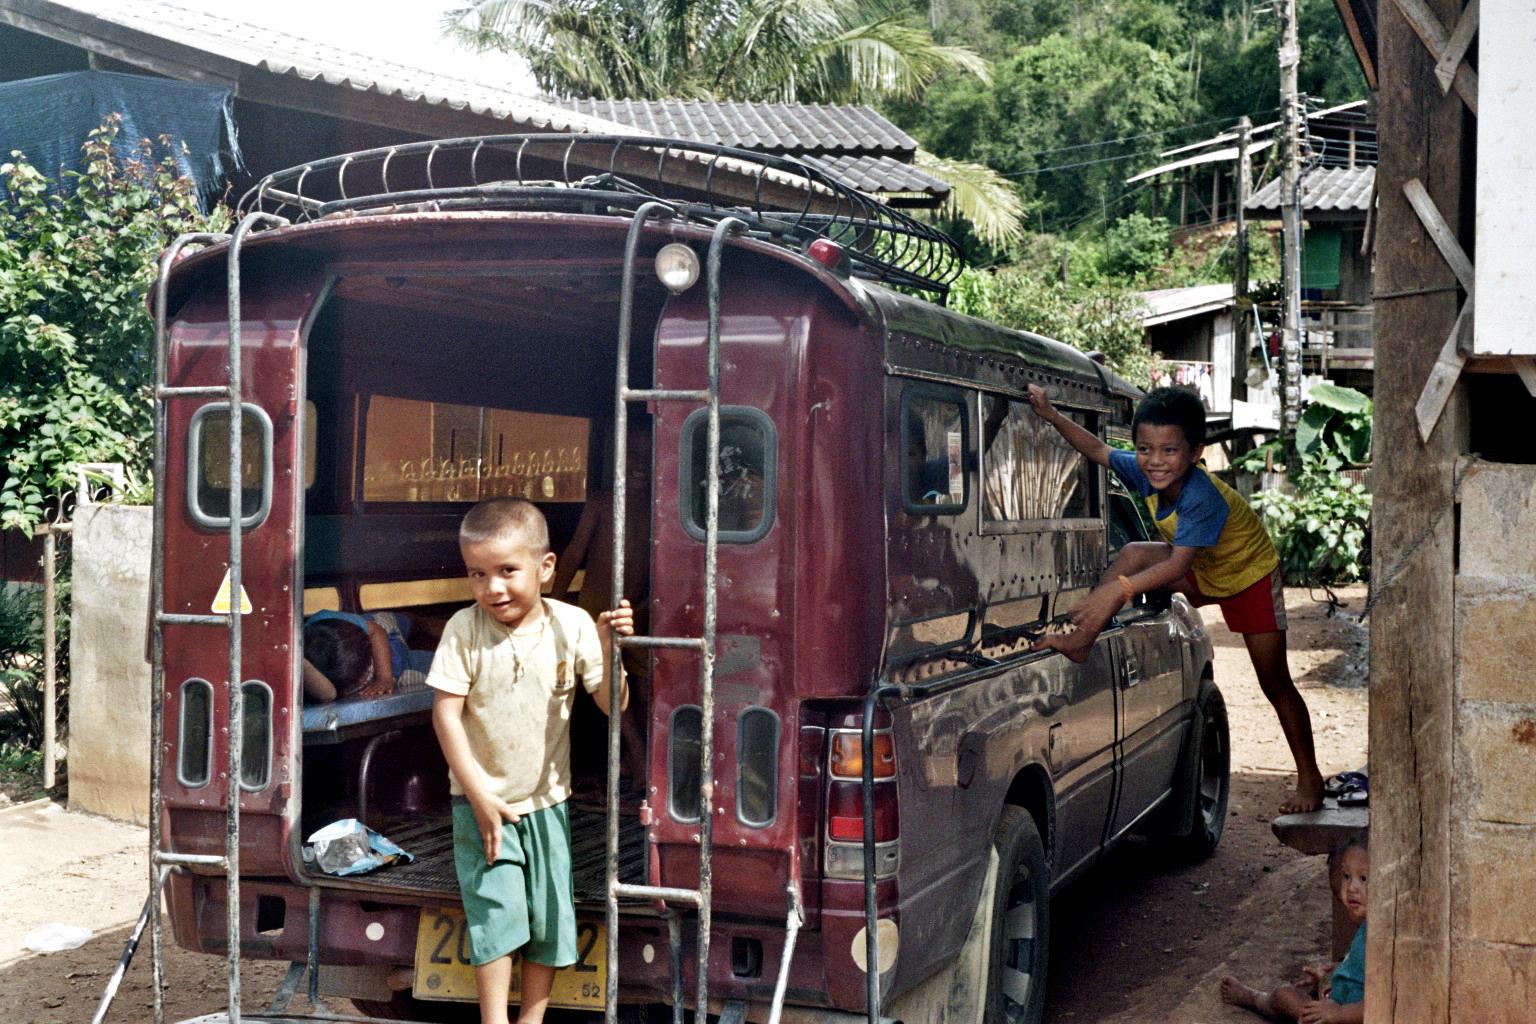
x=21, y=662
x=76, y=336
x=1321, y=525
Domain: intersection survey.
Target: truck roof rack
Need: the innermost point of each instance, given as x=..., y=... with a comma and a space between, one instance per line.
x=782, y=200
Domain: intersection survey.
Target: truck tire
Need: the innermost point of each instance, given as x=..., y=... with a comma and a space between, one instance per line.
x=1021, y=922
x=1203, y=781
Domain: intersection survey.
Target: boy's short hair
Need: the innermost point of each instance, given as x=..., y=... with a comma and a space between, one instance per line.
x=502, y=517
x=1172, y=407
x=341, y=651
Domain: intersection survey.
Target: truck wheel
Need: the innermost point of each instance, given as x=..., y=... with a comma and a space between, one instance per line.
x=1021, y=922
x=1204, y=779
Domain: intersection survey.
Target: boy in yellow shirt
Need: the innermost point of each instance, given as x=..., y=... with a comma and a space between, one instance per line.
x=1214, y=550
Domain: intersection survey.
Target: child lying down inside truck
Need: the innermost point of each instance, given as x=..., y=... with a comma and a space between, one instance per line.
x=360, y=655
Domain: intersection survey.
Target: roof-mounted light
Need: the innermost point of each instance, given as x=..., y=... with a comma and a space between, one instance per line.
x=826, y=252
x=677, y=267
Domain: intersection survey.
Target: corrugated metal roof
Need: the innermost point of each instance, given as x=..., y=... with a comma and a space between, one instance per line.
x=1168, y=304
x=1336, y=189
x=219, y=47
x=855, y=143
x=799, y=128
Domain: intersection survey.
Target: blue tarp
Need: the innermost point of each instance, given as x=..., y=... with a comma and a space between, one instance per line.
x=48, y=119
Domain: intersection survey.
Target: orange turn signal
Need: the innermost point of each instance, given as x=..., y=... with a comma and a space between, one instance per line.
x=845, y=760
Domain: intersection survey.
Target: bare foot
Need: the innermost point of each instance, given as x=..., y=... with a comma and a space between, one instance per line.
x=1076, y=645
x=1308, y=796
x=1238, y=994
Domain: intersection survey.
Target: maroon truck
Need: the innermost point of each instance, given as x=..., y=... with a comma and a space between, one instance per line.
x=828, y=499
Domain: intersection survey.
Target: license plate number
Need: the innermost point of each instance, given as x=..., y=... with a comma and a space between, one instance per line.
x=443, y=970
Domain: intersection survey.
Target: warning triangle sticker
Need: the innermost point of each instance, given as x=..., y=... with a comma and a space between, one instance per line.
x=221, y=600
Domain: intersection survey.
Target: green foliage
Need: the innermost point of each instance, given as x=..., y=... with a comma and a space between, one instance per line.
x=75, y=333
x=1321, y=525
x=1136, y=246
x=21, y=661
x=1093, y=318
x=1320, y=530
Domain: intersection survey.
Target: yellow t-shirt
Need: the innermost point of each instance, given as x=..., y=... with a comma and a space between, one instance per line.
x=1235, y=551
x=519, y=688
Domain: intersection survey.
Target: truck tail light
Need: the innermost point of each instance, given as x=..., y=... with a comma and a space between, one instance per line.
x=845, y=805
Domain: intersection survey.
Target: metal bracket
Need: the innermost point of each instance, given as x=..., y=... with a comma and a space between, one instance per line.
x=1440, y=43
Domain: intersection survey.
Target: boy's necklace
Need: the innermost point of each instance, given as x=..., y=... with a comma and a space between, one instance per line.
x=518, y=657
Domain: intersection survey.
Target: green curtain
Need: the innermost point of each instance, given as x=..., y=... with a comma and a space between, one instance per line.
x=1320, y=250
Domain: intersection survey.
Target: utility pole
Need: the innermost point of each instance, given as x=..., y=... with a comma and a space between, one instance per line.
x=1290, y=221
x=1240, y=263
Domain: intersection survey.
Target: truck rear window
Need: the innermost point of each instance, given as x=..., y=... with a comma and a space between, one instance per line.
x=933, y=463
x=416, y=451
x=748, y=455
x=208, y=466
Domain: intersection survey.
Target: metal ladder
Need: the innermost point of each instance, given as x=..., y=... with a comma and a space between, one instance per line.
x=161, y=863
x=699, y=898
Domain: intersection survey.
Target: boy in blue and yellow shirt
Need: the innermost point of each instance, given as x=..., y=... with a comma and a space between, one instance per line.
x=1214, y=550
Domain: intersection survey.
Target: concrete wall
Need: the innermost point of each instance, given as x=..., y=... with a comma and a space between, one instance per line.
x=1493, y=812
x=108, y=746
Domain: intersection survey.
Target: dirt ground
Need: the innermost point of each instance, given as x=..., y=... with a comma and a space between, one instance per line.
x=1136, y=941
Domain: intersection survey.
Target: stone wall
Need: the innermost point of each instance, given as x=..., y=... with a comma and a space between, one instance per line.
x=108, y=744
x=1493, y=814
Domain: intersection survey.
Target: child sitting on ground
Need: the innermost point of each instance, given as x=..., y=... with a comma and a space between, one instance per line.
x=505, y=677
x=361, y=655
x=1214, y=550
x=1309, y=1000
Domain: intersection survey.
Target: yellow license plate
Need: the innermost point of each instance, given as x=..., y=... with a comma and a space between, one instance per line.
x=443, y=969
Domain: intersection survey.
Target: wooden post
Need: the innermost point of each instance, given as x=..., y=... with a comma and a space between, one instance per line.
x=1240, y=264
x=1413, y=621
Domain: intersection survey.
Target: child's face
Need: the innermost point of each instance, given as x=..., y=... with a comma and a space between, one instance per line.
x=1350, y=874
x=1165, y=455
x=507, y=577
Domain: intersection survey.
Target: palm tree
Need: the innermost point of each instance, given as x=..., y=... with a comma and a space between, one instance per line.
x=805, y=51
x=801, y=51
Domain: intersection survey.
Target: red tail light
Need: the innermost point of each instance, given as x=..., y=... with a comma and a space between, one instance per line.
x=845, y=812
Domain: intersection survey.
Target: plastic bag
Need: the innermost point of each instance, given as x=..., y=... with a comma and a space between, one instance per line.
x=55, y=937
x=348, y=847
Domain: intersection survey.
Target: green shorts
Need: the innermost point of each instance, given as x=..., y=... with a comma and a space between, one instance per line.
x=525, y=900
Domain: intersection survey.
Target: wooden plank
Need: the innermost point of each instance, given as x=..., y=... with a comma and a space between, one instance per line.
x=1456, y=49
x=1444, y=238
x=1412, y=620
x=1443, y=376
x=1431, y=32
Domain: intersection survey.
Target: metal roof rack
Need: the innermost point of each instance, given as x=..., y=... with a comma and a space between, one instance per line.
x=781, y=199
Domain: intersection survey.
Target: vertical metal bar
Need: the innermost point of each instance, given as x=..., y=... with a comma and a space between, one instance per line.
x=312, y=959
x=791, y=932
x=675, y=942
x=726, y=227
x=236, y=694
x=50, y=654
x=871, y=909
x=614, y=655
x=157, y=695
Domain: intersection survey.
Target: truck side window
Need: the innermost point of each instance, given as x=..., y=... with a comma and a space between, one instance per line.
x=1127, y=516
x=208, y=466
x=934, y=444
x=748, y=456
x=1029, y=471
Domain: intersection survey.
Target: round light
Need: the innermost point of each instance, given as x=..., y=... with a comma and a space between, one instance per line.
x=826, y=252
x=677, y=267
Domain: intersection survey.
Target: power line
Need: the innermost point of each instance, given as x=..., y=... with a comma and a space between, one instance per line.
x=1145, y=135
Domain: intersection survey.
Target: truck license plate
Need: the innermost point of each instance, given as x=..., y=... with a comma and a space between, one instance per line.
x=443, y=969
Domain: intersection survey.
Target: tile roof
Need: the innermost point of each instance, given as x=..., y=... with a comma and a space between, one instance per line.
x=879, y=174
x=804, y=129
x=1324, y=189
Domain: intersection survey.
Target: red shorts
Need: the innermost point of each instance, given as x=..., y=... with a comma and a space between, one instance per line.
x=1258, y=609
